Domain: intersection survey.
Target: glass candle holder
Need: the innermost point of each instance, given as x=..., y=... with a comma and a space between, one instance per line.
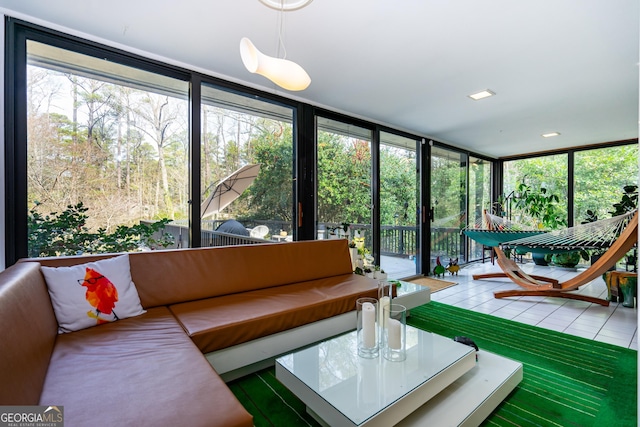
x=367, y=325
x=385, y=289
x=395, y=333
x=384, y=299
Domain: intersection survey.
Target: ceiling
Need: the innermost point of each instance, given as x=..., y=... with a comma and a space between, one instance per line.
x=569, y=66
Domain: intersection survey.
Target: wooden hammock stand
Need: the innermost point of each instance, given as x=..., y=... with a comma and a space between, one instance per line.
x=544, y=286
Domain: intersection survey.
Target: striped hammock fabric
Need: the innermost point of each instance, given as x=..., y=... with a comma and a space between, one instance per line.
x=495, y=238
x=492, y=230
x=594, y=235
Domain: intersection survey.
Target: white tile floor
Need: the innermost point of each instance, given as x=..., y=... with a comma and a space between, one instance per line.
x=614, y=324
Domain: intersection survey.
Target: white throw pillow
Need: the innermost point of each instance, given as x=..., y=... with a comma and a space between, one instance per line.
x=91, y=294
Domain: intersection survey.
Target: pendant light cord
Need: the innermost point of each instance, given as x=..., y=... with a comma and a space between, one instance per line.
x=280, y=32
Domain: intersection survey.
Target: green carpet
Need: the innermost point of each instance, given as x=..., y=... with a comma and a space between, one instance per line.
x=568, y=381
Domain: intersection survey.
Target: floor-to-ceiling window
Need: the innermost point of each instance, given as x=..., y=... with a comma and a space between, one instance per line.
x=448, y=188
x=600, y=177
x=107, y=147
x=479, y=200
x=344, y=181
x=399, y=199
x=115, y=131
x=251, y=141
x=539, y=182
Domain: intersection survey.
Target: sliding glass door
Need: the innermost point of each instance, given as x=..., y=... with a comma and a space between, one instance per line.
x=399, y=199
x=107, y=147
x=448, y=205
x=479, y=200
x=344, y=177
x=251, y=141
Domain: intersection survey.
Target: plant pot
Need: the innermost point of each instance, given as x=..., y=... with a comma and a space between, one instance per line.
x=566, y=259
x=539, y=259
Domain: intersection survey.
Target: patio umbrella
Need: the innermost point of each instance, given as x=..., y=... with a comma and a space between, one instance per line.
x=229, y=189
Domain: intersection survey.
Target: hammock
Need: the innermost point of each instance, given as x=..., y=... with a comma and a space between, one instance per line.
x=594, y=235
x=493, y=230
x=619, y=234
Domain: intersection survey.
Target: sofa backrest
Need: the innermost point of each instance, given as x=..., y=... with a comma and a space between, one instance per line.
x=173, y=276
x=28, y=330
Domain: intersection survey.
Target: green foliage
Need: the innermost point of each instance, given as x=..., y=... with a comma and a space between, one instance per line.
x=66, y=233
x=567, y=259
x=548, y=172
x=590, y=216
x=629, y=201
x=270, y=195
x=398, y=186
x=540, y=205
x=448, y=188
x=599, y=174
x=344, y=179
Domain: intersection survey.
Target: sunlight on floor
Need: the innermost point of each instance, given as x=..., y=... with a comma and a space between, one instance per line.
x=614, y=324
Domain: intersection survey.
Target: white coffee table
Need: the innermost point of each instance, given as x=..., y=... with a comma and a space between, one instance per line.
x=412, y=295
x=342, y=389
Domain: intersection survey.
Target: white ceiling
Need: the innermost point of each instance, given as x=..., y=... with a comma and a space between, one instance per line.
x=556, y=65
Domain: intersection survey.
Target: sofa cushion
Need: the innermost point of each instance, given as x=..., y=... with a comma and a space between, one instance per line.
x=28, y=331
x=139, y=371
x=174, y=276
x=93, y=293
x=216, y=323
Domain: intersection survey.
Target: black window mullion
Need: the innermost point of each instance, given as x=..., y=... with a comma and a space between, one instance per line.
x=195, y=185
x=15, y=87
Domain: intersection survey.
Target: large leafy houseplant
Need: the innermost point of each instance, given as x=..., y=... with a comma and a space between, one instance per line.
x=627, y=203
x=541, y=207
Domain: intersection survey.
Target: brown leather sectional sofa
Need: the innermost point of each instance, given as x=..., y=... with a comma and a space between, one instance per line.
x=150, y=369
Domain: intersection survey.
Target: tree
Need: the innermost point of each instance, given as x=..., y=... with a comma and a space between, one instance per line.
x=599, y=175
x=344, y=179
x=159, y=116
x=271, y=194
x=398, y=181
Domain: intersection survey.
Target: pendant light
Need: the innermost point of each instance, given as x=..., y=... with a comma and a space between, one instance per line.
x=283, y=72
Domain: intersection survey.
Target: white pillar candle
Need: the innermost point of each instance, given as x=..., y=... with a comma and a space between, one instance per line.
x=394, y=334
x=383, y=314
x=368, y=325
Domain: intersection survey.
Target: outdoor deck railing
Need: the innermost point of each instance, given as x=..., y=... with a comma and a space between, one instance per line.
x=399, y=241
x=209, y=238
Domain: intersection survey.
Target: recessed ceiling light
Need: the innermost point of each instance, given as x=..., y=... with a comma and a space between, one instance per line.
x=480, y=95
x=550, y=134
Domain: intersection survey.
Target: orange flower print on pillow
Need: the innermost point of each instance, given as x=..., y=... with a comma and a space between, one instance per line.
x=101, y=294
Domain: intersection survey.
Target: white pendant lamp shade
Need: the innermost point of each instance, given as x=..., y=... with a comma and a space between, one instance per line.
x=286, y=74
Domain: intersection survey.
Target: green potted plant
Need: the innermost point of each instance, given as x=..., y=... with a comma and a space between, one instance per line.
x=594, y=254
x=568, y=259
x=542, y=207
x=627, y=203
